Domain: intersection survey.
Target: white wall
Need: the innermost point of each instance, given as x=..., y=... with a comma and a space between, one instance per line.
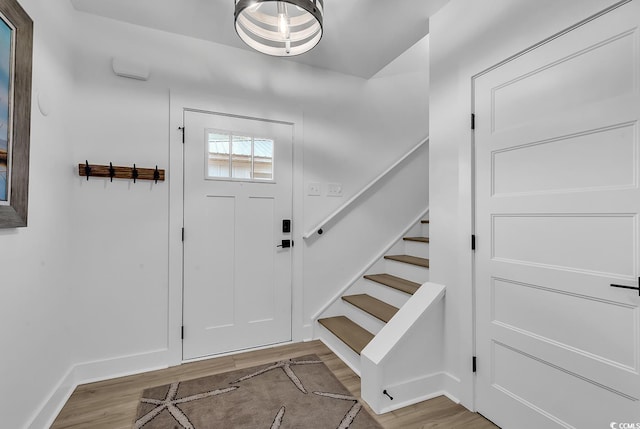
x=88, y=281
x=36, y=314
x=468, y=37
x=353, y=129
x=383, y=121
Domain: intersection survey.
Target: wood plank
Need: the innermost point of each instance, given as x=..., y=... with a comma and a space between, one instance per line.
x=120, y=172
x=373, y=306
x=112, y=404
x=394, y=282
x=418, y=239
x=408, y=259
x=348, y=332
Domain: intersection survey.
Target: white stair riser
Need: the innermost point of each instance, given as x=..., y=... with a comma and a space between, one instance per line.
x=397, y=248
x=384, y=293
x=335, y=309
x=379, y=266
x=407, y=271
x=343, y=351
x=416, y=248
x=362, y=318
x=415, y=231
x=425, y=229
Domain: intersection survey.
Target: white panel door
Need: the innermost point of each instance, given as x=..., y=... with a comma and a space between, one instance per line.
x=558, y=204
x=237, y=192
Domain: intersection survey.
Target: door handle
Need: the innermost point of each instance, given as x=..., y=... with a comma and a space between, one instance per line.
x=629, y=287
x=285, y=244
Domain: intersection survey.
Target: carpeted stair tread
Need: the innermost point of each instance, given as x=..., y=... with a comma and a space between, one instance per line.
x=424, y=221
x=418, y=239
x=394, y=282
x=373, y=306
x=408, y=259
x=352, y=334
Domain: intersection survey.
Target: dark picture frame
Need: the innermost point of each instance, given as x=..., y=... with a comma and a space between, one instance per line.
x=14, y=214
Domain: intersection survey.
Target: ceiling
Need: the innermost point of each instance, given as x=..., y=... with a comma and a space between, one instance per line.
x=360, y=36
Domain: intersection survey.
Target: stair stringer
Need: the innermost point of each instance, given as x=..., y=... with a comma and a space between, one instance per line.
x=405, y=358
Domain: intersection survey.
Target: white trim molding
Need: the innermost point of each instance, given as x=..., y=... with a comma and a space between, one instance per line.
x=198, y=101
x=90, y=372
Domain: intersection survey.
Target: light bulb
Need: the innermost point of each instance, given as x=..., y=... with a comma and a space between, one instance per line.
x=283, y=21
x=284, y=25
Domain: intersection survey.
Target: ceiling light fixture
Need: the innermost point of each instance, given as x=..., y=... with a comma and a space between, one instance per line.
x=280, y=28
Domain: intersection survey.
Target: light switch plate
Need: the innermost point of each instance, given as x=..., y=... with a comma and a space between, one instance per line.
x=334, y=189
x=314, y=189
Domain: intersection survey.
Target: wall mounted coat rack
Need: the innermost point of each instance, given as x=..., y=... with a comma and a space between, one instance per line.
x=114, y=171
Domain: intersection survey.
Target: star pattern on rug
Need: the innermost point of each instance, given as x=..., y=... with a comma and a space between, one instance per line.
x=169, y=403
x=350, y=416
x=286, y=367
x=277, y=421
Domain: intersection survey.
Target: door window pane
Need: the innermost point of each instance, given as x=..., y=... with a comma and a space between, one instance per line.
x=240, y=157
x=218, y=163
x=263, y=159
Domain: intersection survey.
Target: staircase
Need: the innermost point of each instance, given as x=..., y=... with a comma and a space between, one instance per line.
x=351, y=322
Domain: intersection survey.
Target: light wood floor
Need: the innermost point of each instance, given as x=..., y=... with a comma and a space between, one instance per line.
x=112, y=404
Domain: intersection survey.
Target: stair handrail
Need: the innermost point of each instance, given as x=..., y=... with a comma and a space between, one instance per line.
x=319, y=227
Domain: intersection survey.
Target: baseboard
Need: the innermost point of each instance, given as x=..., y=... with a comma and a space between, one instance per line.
x=89, y=372
x=417, y=390
x=307, y=332
x=452, y=386
x=48, y=411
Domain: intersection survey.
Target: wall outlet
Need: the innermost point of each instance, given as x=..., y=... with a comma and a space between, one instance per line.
x=314, y=189
x=334, y=189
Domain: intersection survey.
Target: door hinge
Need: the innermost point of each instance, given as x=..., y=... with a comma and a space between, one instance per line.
x=182, y=332
x=182, y=234
x=474, y=364
x=182, y=129
x=473, y=242
x=473, y=121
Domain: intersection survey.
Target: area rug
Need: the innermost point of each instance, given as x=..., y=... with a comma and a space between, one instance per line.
x=294, y=393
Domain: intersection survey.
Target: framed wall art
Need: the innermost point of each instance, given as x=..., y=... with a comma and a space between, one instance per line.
x=16, y=51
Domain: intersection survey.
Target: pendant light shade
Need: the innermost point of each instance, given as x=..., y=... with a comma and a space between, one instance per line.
x=280, y=28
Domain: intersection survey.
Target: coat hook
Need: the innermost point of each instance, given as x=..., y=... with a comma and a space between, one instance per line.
x=156, y=175
x=134, y=173
x=384, y=392
x=112, y=171
x=87, y=169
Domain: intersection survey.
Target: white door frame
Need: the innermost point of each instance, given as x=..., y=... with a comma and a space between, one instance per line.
x=212, y=103
x=473, y=171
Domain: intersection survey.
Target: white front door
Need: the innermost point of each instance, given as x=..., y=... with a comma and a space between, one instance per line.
x=237, y=192
x=558, y=221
